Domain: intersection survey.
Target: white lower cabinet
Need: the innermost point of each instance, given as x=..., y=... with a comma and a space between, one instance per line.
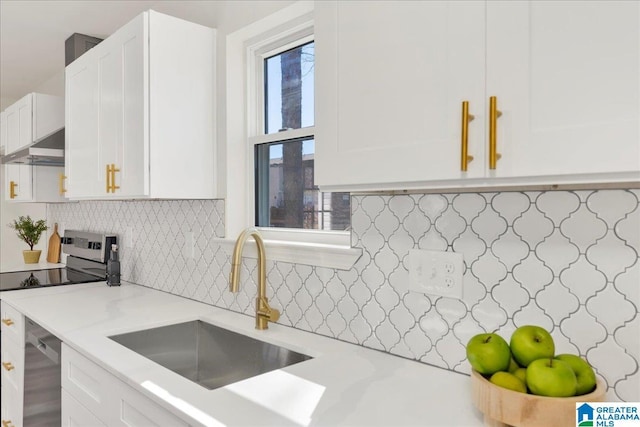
x=93, y=393
x=12, y=368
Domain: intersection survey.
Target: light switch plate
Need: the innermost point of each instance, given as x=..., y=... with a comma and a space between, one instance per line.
x=436, y=273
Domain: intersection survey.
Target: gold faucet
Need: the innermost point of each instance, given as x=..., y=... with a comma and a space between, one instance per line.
x=264, y=313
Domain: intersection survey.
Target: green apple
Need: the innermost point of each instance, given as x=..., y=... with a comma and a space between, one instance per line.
x=508, y=380
x=584, y=372
x=529, y=343
x=488, y=353
x=513, y=365
x=551, y=377
x=521, y=373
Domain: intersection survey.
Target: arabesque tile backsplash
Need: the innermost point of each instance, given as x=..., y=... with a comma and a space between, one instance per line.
x=565, y=260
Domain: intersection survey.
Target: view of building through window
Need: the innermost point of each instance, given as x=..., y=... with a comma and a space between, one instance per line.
x=286, y=195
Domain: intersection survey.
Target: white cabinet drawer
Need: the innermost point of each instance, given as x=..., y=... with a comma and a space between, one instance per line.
x=74, y=414
x=12, y=324
x=12, y=366
x=11, y=411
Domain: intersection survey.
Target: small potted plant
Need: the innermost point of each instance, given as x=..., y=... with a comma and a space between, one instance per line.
x=30, y=232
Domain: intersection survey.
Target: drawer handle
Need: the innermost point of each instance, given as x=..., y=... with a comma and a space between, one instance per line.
x=8, y=366
x=8, y=322
x=7, y=423
x=466, y=118
x=494, y=113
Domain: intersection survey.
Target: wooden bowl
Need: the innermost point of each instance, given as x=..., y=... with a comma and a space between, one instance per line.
x=504, y=407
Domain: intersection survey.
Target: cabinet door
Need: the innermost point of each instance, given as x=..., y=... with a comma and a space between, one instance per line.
x=12, y=373
x=565, y=74
x=19, y=124
x=83, y=168
x=135, y=410
x=74, y=414
x=19, y=183
x=393, y=76
x=121, y=66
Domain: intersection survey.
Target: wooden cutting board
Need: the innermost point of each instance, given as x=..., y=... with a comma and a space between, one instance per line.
x=53, y=254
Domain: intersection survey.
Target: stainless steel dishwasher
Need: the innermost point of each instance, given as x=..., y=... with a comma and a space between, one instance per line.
x=42, y=377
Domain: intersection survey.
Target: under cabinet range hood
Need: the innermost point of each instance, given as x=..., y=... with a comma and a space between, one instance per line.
x=48, y=151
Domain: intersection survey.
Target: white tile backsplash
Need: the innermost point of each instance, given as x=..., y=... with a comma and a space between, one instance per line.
x=565, y=260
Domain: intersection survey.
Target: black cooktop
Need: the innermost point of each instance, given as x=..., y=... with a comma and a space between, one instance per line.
x=41, y=278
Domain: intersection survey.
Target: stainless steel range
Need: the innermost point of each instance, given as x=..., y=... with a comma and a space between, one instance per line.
x=86, y=262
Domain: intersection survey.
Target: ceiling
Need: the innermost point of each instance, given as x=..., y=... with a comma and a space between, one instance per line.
x=32, y=36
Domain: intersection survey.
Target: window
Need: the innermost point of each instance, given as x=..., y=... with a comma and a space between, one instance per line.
x=285, y=193
x=252, y=129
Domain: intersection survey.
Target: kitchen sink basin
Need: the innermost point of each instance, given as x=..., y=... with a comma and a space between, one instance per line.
x=206, y=354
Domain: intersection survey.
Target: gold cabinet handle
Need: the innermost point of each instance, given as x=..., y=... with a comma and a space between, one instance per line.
x=114, y=187
x=61, y=188
x=8, y=322
x=465, y=158
x=12, y=190
x=8, y=366
x=7, y=423
x=108, y=178
x=494, y=113
x=111, y=178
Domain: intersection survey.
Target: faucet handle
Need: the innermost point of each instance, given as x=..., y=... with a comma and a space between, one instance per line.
x=265, y=314
x=274, y=315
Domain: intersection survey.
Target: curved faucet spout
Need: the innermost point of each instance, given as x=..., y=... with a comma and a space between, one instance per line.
x=264, y=313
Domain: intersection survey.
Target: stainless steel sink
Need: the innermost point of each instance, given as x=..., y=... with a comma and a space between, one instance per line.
x=206, y=354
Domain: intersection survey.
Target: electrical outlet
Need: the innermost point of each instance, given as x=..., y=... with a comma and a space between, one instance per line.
x=436, y=273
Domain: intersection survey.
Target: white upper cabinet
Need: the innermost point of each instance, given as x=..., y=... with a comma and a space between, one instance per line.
x=140, y=113
x=394, y=76
x=31, y=119
x=566, y=75
x=27, y=183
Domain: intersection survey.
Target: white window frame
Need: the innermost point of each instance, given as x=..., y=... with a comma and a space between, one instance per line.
x=246, y=50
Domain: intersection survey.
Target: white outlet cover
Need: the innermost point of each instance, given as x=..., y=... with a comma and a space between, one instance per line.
x=438, y=273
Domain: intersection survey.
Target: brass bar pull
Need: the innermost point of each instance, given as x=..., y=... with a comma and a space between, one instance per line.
x=12, y=190
x=7, y=423
x=494, y=113
x=108, y=178
x=8, y=366
x=114, y=187
x=8, y=322
x=465, y=158
x=61, y=188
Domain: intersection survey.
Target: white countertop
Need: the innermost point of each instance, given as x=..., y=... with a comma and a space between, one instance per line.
x=343, y=384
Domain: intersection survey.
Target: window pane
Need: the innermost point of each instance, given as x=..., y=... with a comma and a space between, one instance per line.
x=289, y=89
x=287, y=195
